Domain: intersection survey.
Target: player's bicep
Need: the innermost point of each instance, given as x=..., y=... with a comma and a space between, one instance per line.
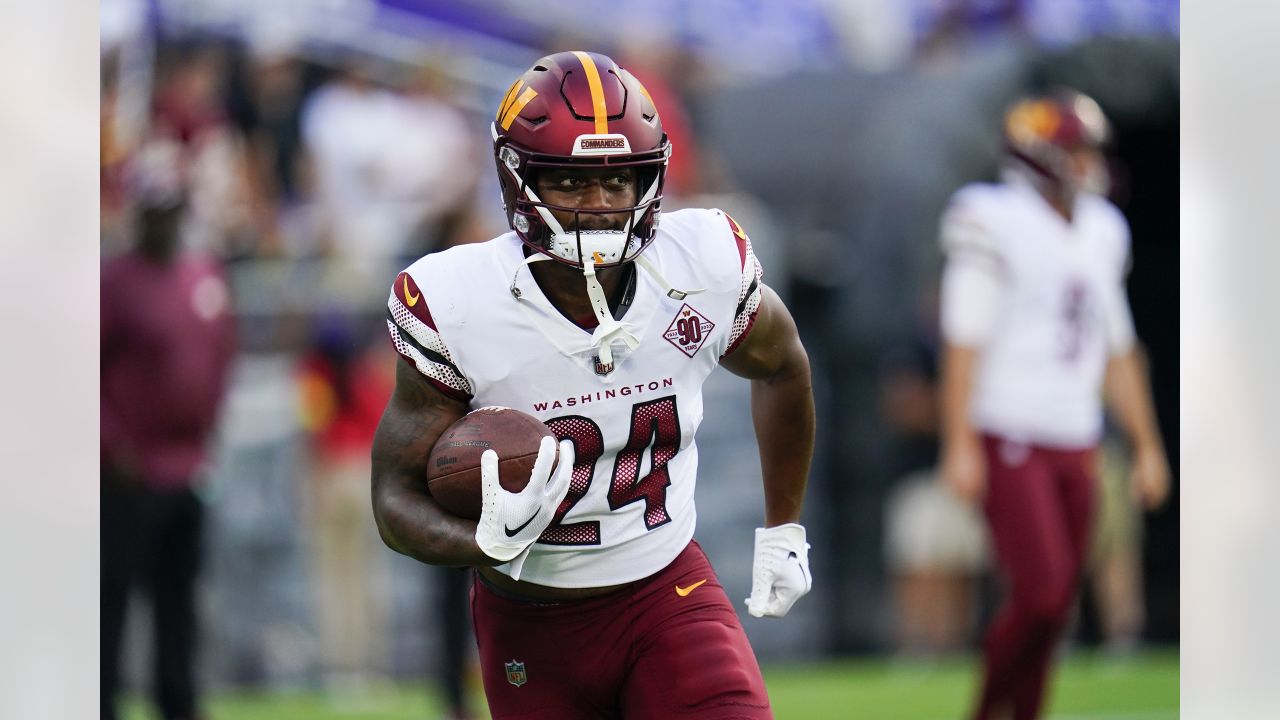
x=770, y=343
x=416, y=416
x=408, y=519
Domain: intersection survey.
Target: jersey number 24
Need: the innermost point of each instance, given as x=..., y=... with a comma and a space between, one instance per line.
x=655, y=426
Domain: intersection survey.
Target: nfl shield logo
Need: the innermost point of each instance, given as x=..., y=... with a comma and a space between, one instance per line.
x=601, y=368
x=515, y=673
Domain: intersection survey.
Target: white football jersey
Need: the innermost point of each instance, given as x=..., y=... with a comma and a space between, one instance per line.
x=473, y=320
x=1044, y=302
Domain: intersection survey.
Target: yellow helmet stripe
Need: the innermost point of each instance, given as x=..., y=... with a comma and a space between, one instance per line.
x=597, y=92
x=528, y=94
x=506, y=99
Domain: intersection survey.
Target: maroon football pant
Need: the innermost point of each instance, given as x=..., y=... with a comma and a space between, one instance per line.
x=1039, y=506
x=644, y=651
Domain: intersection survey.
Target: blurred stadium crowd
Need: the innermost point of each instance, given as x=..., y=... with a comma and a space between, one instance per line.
x=323, y=144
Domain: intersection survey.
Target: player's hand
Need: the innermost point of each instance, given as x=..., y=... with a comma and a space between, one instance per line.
x=511, y=522
x=780, y=572
x=964, y=470
x=1149, y=477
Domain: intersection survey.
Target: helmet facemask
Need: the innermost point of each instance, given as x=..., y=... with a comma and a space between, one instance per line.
x=533, y=220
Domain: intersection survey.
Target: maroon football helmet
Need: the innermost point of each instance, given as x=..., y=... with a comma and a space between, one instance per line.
x=579, y=110
x=1042, y=132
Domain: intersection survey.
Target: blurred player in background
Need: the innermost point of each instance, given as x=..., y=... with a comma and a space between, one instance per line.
x=167, y=341
x=592, y=598
x=1035, y=318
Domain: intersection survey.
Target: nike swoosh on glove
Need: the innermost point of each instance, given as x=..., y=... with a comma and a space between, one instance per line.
x=511, y=522
x=780, y=572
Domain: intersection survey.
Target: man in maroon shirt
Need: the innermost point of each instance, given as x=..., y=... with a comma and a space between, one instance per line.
x=166, y=347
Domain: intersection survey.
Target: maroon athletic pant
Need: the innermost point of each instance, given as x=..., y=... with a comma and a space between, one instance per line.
x=645, y=651
x=1039, y=505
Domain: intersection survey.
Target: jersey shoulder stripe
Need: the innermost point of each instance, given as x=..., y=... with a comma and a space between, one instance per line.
x=415, y=336
x=740, y=238
x=969, y=228
x=749, y=290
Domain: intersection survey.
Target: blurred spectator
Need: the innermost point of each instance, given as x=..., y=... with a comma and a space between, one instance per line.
x=190, y=107
x=112, y=154
x=166, y=346
x=344, y=386
x=433, y=169
x=1114, y=565
x=377, y=197
x=452, y=617
x=268, y=104
x=935, y=545
x=665, y=72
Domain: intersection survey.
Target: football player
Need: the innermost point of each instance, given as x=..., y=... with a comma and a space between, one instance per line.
x=592, y=599
x=1034, y=318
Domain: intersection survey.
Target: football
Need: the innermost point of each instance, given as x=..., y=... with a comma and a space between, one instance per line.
x=453, y=469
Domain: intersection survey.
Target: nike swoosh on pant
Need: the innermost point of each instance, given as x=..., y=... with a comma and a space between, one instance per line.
x=523, y=525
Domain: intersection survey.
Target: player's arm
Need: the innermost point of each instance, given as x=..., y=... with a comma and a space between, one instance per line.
x=409, y=520
x=972, y=293
x=774, y=359
x=1127, y=387
x=1127, y=392
x=1128, y=396
x=963, y=466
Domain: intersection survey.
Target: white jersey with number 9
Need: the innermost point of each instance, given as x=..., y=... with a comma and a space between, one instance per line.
x=1043, y=302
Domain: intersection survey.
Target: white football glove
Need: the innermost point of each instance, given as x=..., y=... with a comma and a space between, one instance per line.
x=511, y=522
x=780, y=573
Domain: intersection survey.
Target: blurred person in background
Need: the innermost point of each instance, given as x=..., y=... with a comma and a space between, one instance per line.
x=344, y=384
x=267, y=100
x=166, y=346
x=190, y=107
x=1036, y=322
x=392, y=162
x=452, y=617
x=1114, y=564
x=345, y=125
x=591, y=596
x=935, y=545
x=434, y=167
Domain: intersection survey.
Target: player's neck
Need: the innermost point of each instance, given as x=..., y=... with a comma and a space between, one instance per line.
x=566, y=289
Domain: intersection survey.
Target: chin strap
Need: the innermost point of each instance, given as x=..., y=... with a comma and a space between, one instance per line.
x=609, y=330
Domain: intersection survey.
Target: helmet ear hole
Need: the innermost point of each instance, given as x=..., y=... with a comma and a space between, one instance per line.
x=510, y=158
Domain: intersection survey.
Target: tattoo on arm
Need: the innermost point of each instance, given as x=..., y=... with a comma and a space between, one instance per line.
x=408, y=519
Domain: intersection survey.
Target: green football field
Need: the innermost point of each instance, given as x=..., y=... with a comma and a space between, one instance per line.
x=1143, y=687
